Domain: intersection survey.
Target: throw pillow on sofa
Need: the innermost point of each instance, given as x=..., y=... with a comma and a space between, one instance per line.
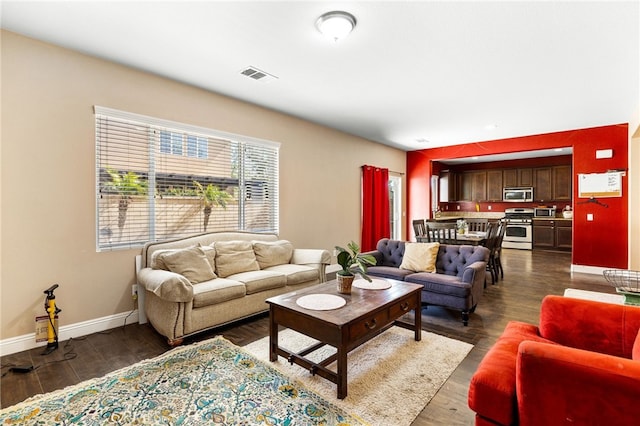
x=156, y=259
x=272, y=253
x=233, y=257
x=420, y=257
x=190, y=262
x=210, y=254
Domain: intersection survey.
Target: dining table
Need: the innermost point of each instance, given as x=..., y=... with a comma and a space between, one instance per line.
x=472, y=238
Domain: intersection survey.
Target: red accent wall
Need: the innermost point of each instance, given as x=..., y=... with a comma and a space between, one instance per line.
x=602, y=242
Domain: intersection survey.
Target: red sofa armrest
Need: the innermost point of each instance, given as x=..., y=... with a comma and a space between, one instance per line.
x=593, y=326
x=562, y=385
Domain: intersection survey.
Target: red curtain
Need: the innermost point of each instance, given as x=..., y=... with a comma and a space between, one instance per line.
x=375, y=206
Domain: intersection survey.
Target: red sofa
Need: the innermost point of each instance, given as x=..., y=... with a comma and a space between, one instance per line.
x=581, y=366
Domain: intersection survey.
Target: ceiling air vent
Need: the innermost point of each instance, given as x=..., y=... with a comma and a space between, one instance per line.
x=256, y=74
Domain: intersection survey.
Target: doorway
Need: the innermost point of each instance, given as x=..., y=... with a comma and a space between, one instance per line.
x=395, y=207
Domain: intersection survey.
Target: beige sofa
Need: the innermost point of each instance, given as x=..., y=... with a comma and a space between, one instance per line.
x=203, y=281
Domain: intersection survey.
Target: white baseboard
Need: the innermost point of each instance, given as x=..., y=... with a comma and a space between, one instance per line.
x=596, y=270
x=28, y=341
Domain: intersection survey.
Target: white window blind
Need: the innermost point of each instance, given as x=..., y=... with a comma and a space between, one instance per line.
x=157, y=179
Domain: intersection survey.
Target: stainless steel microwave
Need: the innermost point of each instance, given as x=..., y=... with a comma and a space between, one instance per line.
x=544, y=212
x=518, y=194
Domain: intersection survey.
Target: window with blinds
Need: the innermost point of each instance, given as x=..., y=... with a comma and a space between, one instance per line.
x=157, y=179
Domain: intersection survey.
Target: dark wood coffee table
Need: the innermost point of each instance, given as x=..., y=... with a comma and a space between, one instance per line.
x=366, y=314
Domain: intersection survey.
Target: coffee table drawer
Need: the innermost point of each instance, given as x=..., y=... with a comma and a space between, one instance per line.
x=402, y=307
x=368, y=325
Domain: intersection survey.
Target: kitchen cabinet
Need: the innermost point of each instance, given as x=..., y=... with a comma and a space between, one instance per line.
x=525, y=177
x=542, y=191
x=563, y=233
x=473, y=186
x=550, y=184
x=494, y=185
x=552, y=234
x=517, y=177
x=510, y=177
x=561, y=182
x=465, y=189
x=479, y=186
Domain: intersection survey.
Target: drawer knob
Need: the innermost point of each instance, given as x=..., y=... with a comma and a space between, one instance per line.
x=404, y=306
x=371, y=325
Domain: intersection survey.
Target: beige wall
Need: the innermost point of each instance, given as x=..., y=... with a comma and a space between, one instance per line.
x=47, y=176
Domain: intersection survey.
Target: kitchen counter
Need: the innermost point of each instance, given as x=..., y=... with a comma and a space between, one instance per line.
x=445, y=219
x=553, y=218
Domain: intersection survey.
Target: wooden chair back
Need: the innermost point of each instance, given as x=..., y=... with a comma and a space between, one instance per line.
x=444, y=233
x=419, y=228
x=477, y=225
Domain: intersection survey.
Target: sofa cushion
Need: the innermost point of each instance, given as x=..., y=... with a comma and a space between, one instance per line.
x=190, y=262
x=296, y=274
x=257, y=281
x=440, y=283
x=272, y=253
x=420, y=257
x=233, y=257
x=392, y=272
x=216, y=291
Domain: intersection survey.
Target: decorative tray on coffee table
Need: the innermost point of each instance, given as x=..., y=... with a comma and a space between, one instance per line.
x=626, y=282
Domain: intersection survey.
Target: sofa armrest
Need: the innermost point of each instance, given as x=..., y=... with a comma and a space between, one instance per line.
x=310, y=257
x=594, y=326
x=562, y=385
x=474, y=273
x=377, y=255
x=166, y=285
x=316, y=258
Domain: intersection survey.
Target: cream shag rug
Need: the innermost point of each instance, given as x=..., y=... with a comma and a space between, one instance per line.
x=390, y=378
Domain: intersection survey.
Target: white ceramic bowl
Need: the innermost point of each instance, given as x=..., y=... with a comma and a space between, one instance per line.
x=567, y=214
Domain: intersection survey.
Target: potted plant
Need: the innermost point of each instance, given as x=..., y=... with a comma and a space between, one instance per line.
x=348, y=258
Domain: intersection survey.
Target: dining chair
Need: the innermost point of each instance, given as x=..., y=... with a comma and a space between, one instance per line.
x=492, y=236
x=498, y=249
x=419, y=228
x=477, y=225
x=444, y=233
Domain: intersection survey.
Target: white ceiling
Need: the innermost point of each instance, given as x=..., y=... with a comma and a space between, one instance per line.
x=435, y=71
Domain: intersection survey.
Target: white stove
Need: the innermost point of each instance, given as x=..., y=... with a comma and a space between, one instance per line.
x=519, y=232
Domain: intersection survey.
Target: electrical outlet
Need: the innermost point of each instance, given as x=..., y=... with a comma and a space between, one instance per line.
x=134, y=291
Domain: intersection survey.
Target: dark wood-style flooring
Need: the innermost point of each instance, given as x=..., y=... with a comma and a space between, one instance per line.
x=529, y=276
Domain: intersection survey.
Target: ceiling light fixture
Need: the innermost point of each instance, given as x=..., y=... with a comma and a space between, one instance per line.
x=336, y=25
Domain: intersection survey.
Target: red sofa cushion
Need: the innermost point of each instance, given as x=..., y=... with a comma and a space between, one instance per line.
x=492, y=392
x=559, y=385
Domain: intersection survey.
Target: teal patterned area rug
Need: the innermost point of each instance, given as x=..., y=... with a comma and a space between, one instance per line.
x=211, y=382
